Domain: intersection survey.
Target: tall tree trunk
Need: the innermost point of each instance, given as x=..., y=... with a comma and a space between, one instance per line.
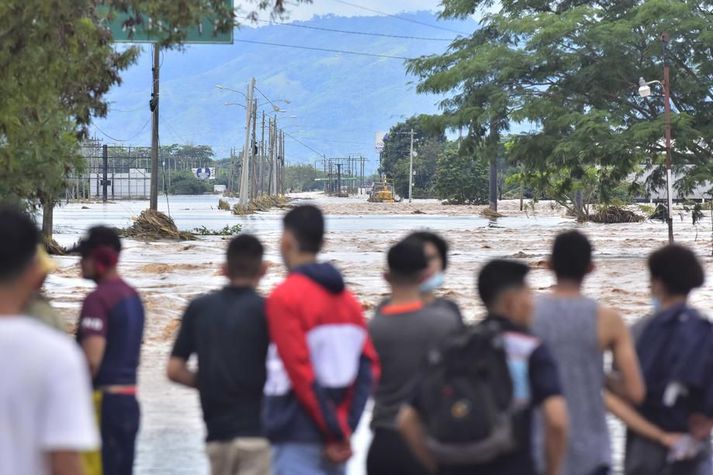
x=494, y=183
x=579, y=205
x=47, y=217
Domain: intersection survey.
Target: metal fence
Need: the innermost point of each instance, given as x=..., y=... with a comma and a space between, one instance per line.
x=126, y=172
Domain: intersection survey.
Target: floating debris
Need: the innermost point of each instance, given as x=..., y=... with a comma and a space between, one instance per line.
x=614, y=215
x=153, y=226
x=261, y=203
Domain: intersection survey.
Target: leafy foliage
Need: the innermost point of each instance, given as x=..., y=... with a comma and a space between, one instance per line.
x=184, y=182
x=302, y=178
x=227, y=230
x=461, y=178
x=429, y=140
x=569, y=71
x=56, y=65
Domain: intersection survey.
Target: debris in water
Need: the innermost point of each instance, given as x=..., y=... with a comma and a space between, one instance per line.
x=615, y=214
x=154, y=225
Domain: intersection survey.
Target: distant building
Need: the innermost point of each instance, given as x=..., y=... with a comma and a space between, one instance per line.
x=136, y=184
x=698, y=193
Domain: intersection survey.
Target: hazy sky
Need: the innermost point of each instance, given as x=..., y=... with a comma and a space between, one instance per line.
x=325, y=7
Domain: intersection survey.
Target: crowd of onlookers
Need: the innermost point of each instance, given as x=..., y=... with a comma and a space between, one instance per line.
x=285, y=380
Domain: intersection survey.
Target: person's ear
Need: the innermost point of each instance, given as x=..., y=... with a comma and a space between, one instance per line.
x=224, y=270
x=591, y=268
x=263, y=269
x=387, y=277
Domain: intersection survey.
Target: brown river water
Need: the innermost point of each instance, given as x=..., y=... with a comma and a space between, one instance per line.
x=169, y=274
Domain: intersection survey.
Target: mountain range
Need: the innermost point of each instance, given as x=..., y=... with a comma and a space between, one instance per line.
x=337, y=101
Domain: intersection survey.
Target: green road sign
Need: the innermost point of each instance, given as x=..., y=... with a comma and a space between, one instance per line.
x=148, y=32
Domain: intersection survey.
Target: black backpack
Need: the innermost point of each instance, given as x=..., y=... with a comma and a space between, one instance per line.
x=466, y=398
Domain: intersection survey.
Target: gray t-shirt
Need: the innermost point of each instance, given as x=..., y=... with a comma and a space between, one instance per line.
x=402, y=336
x=568, y=326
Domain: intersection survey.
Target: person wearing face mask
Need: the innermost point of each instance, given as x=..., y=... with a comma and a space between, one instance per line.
x=675, y=347
x=435, y=249
x=403, y=330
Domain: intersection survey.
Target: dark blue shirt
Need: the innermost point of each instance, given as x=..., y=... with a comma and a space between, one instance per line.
x=114, y=312
x=676, y=346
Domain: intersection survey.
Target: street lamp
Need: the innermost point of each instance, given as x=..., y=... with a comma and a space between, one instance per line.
x=645, y=91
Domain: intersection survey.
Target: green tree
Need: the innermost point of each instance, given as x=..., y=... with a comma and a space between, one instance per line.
x=429, y=140
x=184, y=182
x=475, y=74
x=302, y=178
x=569, y=70
x=460, y=177
x=57, y=63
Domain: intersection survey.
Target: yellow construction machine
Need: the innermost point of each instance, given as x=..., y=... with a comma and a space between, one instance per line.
x=382, y=192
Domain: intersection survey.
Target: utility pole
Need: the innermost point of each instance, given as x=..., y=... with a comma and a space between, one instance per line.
x=274, y=155
x=253, y=153
x=282, y=162
x=245, y=172
x=667, y=132
x=261, y=171
x=105, y=172
x=153, y=202
x=410, y=171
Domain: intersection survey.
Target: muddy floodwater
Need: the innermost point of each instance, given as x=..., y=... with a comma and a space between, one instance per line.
x=169, y=274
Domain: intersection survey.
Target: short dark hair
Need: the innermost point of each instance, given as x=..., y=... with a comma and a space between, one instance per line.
x=19, y=239
x=500, y=275
x=306, y=223
x=678, y=268
x=244, y=256
x=436, y=240
x=407, y=260
x=571, y=256
x=99, y=236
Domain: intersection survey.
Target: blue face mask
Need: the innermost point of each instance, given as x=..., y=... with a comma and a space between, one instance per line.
x=432, y=283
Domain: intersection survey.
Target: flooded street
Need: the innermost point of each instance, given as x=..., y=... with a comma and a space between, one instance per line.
x=169, y=274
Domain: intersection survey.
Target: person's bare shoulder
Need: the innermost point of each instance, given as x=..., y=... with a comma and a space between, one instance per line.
x=610, y=326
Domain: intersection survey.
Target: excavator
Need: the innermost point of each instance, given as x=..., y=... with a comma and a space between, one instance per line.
x=382, y=192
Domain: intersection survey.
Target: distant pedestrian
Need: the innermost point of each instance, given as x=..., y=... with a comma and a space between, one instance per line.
x=578, y=331
x=110, y=331
x=472, y=410
x=45, y=409
x=39, y=305
x=675, y=347
x=436, y=250
x=403, y=330
x=227, y=330
x=321, y=364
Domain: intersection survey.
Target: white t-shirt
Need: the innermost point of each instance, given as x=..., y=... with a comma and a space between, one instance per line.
x=45, y=397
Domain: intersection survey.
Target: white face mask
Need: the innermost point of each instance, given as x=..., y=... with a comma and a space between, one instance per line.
x=432, y=283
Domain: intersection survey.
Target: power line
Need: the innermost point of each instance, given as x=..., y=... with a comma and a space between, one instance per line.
x=123, y=140
x=303, y=144
x=351, y=32
x=325, y=50
x=275, y=107
x=410, y=20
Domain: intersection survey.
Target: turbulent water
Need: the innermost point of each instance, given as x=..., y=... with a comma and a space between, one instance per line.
x=169, y=274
